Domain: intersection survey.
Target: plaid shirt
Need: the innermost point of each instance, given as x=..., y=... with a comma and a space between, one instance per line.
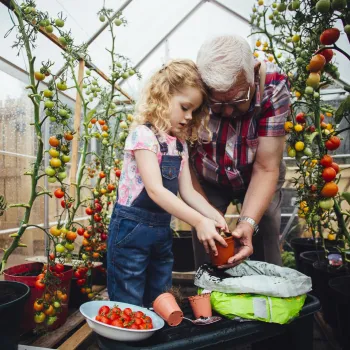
x=228, y=158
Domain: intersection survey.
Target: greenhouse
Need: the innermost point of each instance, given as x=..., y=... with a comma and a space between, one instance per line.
x=175, y=174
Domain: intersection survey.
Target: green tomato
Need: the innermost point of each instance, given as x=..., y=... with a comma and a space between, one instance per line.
x=326, y=203
x=49, y=29
x=39, y=317
x=65, y=158
x=50, y=171
x=118, y=22
x=62, y=40
x=125, y=75
x=63, y=112
x=59, y=22
x=62, y=86
x=84, y=257
x=49, y=104
x=131, y=72
x=309, y=90
x=48, y=93
x=56, y=304
x=323, y=6
x=119, y=65
x=62, y=175
x=88, y=72
x=307, y=151
x=347, y=29
x=316, y=218
x=51, y=179
x=102, y=18
x=105, y=142
x=295, y=5
x=292, y=153
x=51, y=320
x=69, y=246
x=60, y=248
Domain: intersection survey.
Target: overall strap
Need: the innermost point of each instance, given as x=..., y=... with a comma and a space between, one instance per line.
x=179, y=146
x=163, y=145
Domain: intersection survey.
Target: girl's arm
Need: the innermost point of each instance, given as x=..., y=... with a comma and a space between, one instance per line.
x=149, y=169
x=195, y=200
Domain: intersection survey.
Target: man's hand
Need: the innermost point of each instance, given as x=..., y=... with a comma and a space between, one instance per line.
x=243, y=233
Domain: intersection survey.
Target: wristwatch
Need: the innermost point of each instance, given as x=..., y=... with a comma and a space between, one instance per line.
x=250, y=221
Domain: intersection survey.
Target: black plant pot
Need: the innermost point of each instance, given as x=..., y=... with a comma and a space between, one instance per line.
x=13, y=296
x=323, y=273
x=307, y=260
x=340, y=287
x=301, y=245
x=183, y=252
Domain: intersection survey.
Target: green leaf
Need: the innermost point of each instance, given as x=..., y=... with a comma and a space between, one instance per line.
x=343, y=109
x=346, y=196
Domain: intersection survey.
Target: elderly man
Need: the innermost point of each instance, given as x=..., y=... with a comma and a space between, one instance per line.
x=240, y=157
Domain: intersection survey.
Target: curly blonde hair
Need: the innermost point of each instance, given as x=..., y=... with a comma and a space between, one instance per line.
x=154, y=104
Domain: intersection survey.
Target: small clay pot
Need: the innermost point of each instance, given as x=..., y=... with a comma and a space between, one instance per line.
x=201, y=305
x=168, y=309
x=224, y=253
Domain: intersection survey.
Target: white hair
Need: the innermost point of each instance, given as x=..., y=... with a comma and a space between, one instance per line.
x=221, y=58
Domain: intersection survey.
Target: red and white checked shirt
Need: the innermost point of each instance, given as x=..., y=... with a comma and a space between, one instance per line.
x=228, y=158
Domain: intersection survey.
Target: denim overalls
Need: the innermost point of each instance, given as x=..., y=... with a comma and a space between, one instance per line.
x=140, y=257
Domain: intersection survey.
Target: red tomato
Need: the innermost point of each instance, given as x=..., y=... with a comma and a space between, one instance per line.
x=329, y=36
x=98, y=207
x=300, y=118
x=98, y=318
x=104, y=310
x=114, y=316
x=328, y=174
x=89, y=211
x=117, y=323
x=138, y=321
x=80, y=231
x=326, y=161
x=81, y=282
x=335, y=166
x=125, y=318
x=97, y=218
x=59, y=268
x=116, y=310
x=134, y=326
x=127, y=311
x=39, y=285
x=105, y=320
x=65, y=205
x=59, y=193
x=313, y=188
x=327, y=54
x=118, y=173
x=139, y=314
x=52, y=256
x=148, y=319
x=332, y=143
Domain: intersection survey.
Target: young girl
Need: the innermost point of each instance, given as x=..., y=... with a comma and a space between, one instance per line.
x=155, y=169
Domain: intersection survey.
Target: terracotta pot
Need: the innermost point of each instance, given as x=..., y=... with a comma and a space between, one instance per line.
x=224, y=253
x=201, y=305
x=168, y=309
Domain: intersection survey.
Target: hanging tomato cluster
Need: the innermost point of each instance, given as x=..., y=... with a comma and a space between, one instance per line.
x=49, y=305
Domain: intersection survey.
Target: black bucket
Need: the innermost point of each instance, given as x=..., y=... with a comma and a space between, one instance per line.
x=13, y=296
x=340, y=287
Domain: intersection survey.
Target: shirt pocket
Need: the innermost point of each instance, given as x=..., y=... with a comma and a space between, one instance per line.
x=252, y=146
x=210, y=169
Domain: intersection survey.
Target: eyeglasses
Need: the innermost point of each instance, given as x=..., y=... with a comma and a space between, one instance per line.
x=217, y=107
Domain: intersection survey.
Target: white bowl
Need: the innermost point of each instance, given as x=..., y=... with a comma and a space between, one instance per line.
x=90, y=311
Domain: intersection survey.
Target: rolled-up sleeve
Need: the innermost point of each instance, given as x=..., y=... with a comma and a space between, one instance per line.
x=275, y=105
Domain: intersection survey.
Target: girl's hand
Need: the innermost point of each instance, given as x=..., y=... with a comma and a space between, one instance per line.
x=207, y=234
x=221, y=222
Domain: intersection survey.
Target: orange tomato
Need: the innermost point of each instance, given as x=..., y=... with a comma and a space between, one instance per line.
x=53, y=141
x=317, y=63
x=330, y=189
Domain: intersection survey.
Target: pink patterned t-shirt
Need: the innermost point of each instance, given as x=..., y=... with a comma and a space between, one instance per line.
x=130, y=182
